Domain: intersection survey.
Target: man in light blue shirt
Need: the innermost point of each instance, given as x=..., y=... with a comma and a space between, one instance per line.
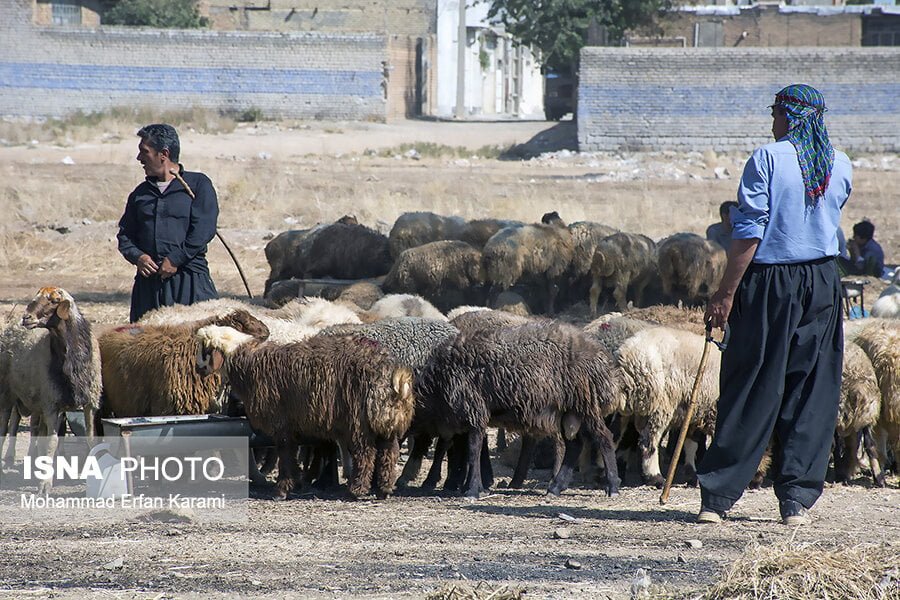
x=781, y=297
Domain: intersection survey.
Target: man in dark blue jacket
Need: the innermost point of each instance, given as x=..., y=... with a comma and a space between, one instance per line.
x=166, y=227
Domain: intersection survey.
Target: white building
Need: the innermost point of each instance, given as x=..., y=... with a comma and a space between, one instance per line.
x=501, y=78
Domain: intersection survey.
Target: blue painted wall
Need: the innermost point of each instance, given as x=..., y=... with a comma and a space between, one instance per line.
x=718, y=98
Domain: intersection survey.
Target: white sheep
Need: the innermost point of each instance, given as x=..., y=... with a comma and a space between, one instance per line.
x=888, y=304
x=658, y=366
x=49, y=364
x=293, y=322
x=402, y=305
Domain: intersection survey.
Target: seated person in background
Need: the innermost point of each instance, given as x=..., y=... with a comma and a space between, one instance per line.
x=866, y=255
x=721, y=232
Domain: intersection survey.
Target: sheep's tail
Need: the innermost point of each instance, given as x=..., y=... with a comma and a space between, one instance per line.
x=393, y=415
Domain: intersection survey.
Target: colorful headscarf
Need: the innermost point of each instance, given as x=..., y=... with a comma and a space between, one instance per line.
x=804, y=106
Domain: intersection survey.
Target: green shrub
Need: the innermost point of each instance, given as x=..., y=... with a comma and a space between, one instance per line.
x=176, y=14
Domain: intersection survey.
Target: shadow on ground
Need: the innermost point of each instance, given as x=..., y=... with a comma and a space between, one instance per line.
x=561, y=136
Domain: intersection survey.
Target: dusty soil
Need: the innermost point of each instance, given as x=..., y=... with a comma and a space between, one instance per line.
x=59, y=226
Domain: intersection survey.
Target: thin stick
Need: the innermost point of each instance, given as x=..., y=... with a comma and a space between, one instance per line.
x=688, y=414
x=218, y=235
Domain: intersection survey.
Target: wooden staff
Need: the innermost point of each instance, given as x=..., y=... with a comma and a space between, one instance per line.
x=218, y=235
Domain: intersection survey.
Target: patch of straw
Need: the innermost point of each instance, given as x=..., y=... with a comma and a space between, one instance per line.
x=481, y=591
x=802, y=571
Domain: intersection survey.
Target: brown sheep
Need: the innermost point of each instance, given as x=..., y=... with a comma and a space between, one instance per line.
x=148, y=370
x=362, y=295
x=477, y=232
x=539, y=253
x=418, y=228
x=340, y=388
x=685, y=318
x=690, y=268
x=287, y=254
x=858, y=415
x=622, y=261
x=447, y=273
x=345, y=251
x=880, y=340
x=542, y=378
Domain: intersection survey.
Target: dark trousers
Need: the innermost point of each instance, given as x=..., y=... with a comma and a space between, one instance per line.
x=184, y=287
x=781, y=373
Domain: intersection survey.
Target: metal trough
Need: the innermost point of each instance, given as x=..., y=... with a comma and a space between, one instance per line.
x=162, y=428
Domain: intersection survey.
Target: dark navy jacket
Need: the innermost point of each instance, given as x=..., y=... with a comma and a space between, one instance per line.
x=170, y=224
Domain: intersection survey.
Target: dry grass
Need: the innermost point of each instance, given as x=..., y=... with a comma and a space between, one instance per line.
x=481, y=591
x=114, y=125
x=791, y=571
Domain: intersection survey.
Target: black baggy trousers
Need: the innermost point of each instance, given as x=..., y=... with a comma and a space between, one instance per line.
x=184, y=287
x=781, y=373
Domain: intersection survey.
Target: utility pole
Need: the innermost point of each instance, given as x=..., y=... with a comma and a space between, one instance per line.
x=460, y=111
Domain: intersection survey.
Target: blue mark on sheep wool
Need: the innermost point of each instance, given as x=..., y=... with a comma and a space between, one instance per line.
x=705, y=101
x=190, y=79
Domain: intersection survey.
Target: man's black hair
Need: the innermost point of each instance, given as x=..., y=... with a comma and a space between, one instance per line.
x=725, y=206
x=864, y=229
x=161, y=136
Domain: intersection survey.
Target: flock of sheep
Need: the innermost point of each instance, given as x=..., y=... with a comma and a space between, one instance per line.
x=361, y=371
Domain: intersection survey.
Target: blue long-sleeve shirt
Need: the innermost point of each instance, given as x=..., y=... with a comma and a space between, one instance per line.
x=170, y=223
x=773, y=208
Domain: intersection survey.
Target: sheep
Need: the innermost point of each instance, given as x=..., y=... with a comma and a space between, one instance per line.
x=419, y=228
x=477, y=232
x=472, y=321
x=402, y=305
x=620, y=261
x=880, y=340
x=585, y=237
x=888, y=304
x=541, y=253
x=542, y=378
x=288, y=252
x=447, y=273
x=294, y=321
x=148, y=370
x=690, y=268
x=361, y=294
x=859, y=410
x=49, y=363
x=686, y=319
x=613, y=332
x=512, y=303
x=461, y=310
x=342, y=388
x=345, y=251
x=411, y=340
x=658, y=366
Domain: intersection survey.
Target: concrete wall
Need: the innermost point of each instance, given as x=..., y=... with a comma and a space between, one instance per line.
x=718, y=98
x=53, y=71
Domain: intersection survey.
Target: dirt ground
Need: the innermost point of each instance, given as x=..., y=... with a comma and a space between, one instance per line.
x=60, y=202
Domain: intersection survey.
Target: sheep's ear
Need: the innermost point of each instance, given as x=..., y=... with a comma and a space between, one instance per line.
x=63, y=310
x=217, y=359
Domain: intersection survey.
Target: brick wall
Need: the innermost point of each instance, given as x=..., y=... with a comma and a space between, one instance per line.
x=718, y=98
x=53, y=71
x=766, y=26
x=415, y=18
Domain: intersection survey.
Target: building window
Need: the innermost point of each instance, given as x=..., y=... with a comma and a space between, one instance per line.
x=66, y=13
